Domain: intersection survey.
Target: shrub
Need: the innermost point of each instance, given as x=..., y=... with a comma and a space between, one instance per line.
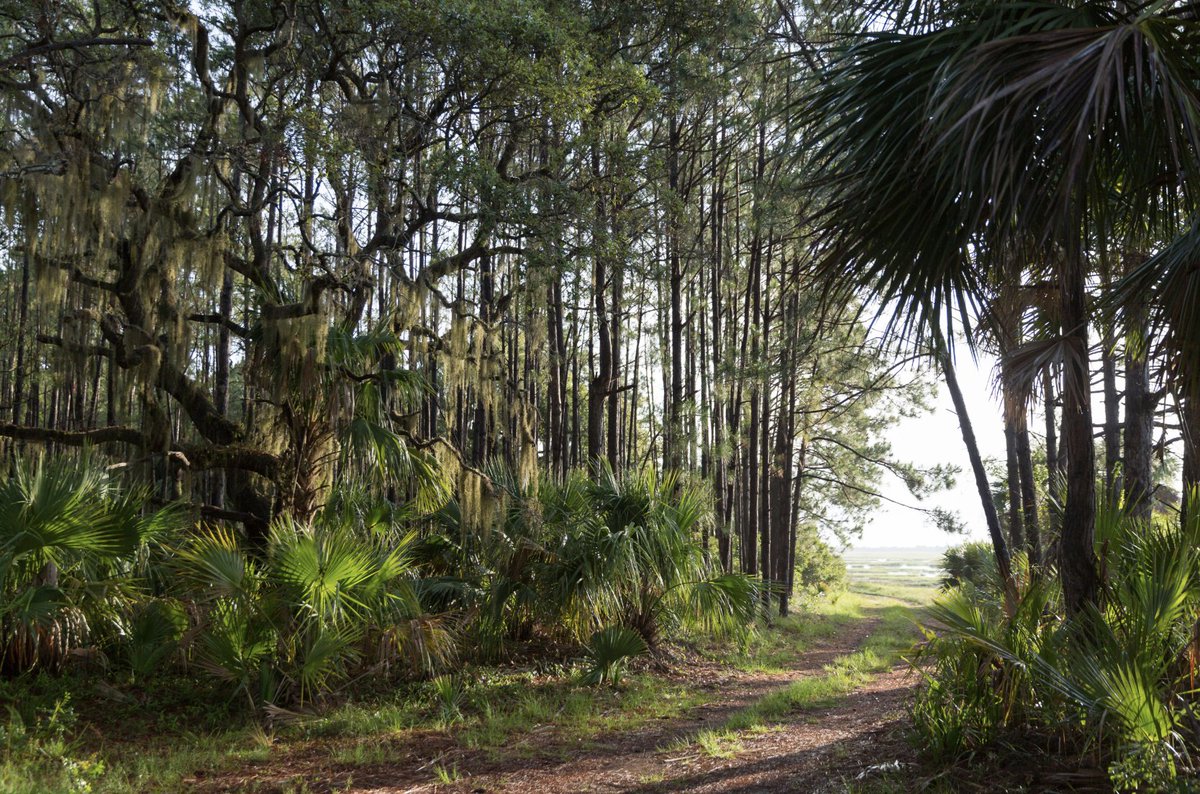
x=610, y=651
x=1119, y=676
x=71, y=542
x=293, y=624
x=971, y=563
x=819, y=569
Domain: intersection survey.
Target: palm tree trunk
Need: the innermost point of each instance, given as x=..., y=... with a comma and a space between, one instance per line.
x=1112, y=414
x=1189, y=412
x=1139, y=417
x=1076, y=553
x=1016, y=530
x=1033, y=536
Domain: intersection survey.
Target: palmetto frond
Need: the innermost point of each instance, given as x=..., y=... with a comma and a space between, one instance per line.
x=213, y=561
x=52, y=508
x=68, y=537
x=1002, y=125
x=610, y=650
x=1169, y=282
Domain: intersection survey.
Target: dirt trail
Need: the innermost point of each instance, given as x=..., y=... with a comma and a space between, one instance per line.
x=809, y=750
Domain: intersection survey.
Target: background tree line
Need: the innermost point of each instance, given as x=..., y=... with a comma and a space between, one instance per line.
x=262, y=254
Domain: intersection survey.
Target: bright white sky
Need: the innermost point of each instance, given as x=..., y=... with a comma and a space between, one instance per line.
x=936, y=438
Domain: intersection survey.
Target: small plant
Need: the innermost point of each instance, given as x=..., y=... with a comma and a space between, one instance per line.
x=69, y=540
x=39, y=750
x=447, y=775
x=450, y=694
x=154, y=634
x=718, y=744
x=610, y=651
x=292, y=626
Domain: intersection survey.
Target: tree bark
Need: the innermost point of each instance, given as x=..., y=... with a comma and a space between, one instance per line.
x=1016, y=529
x=1112, y=414
x=1077, y=555
x=999, y=547
x=1139, y=417
x=674, y=445
x=1033, y=535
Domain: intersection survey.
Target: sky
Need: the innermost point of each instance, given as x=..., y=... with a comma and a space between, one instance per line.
x=936, y=438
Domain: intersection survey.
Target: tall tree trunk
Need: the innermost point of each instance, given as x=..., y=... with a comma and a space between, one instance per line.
x=1189, y=412
x=18, y=396
x=1112, y=413
x=1033, y=535
x=602, y=359
x=1016, y=529
x=1053, y=459
x=614, y=371
x=674, y=445
x=1077, y=555
x=782, y=463
x=767, y=551
x=221, y=377
x=555, y=413
x=1139, y=416
x=481, y=435
x=999, y=547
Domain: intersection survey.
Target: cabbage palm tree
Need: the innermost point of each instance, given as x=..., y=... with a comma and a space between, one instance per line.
x=990, y=124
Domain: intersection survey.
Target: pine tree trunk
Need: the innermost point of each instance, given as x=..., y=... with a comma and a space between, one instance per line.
x=674, y=435
x=999, y=547
x=221, y=376
x=614, y=372
x=18, y=395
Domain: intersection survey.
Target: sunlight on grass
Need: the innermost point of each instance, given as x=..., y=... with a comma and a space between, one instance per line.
x=892, y=636
x=718, y=744
x=777, y=647
x=510, y=714
x=446, y=776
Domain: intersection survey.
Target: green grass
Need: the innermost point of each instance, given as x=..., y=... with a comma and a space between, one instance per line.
x=446, y=775
x=63, y=754
x=71, y=734
x=892, y=636
x=912, y=595
x=775, y=648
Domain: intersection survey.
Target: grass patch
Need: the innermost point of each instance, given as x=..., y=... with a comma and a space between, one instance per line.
x=719, y=744
x=776, y=648
x=446, y=775
x=71, y=734
x=46, y=747
x=915, y=595
x=892, y=636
